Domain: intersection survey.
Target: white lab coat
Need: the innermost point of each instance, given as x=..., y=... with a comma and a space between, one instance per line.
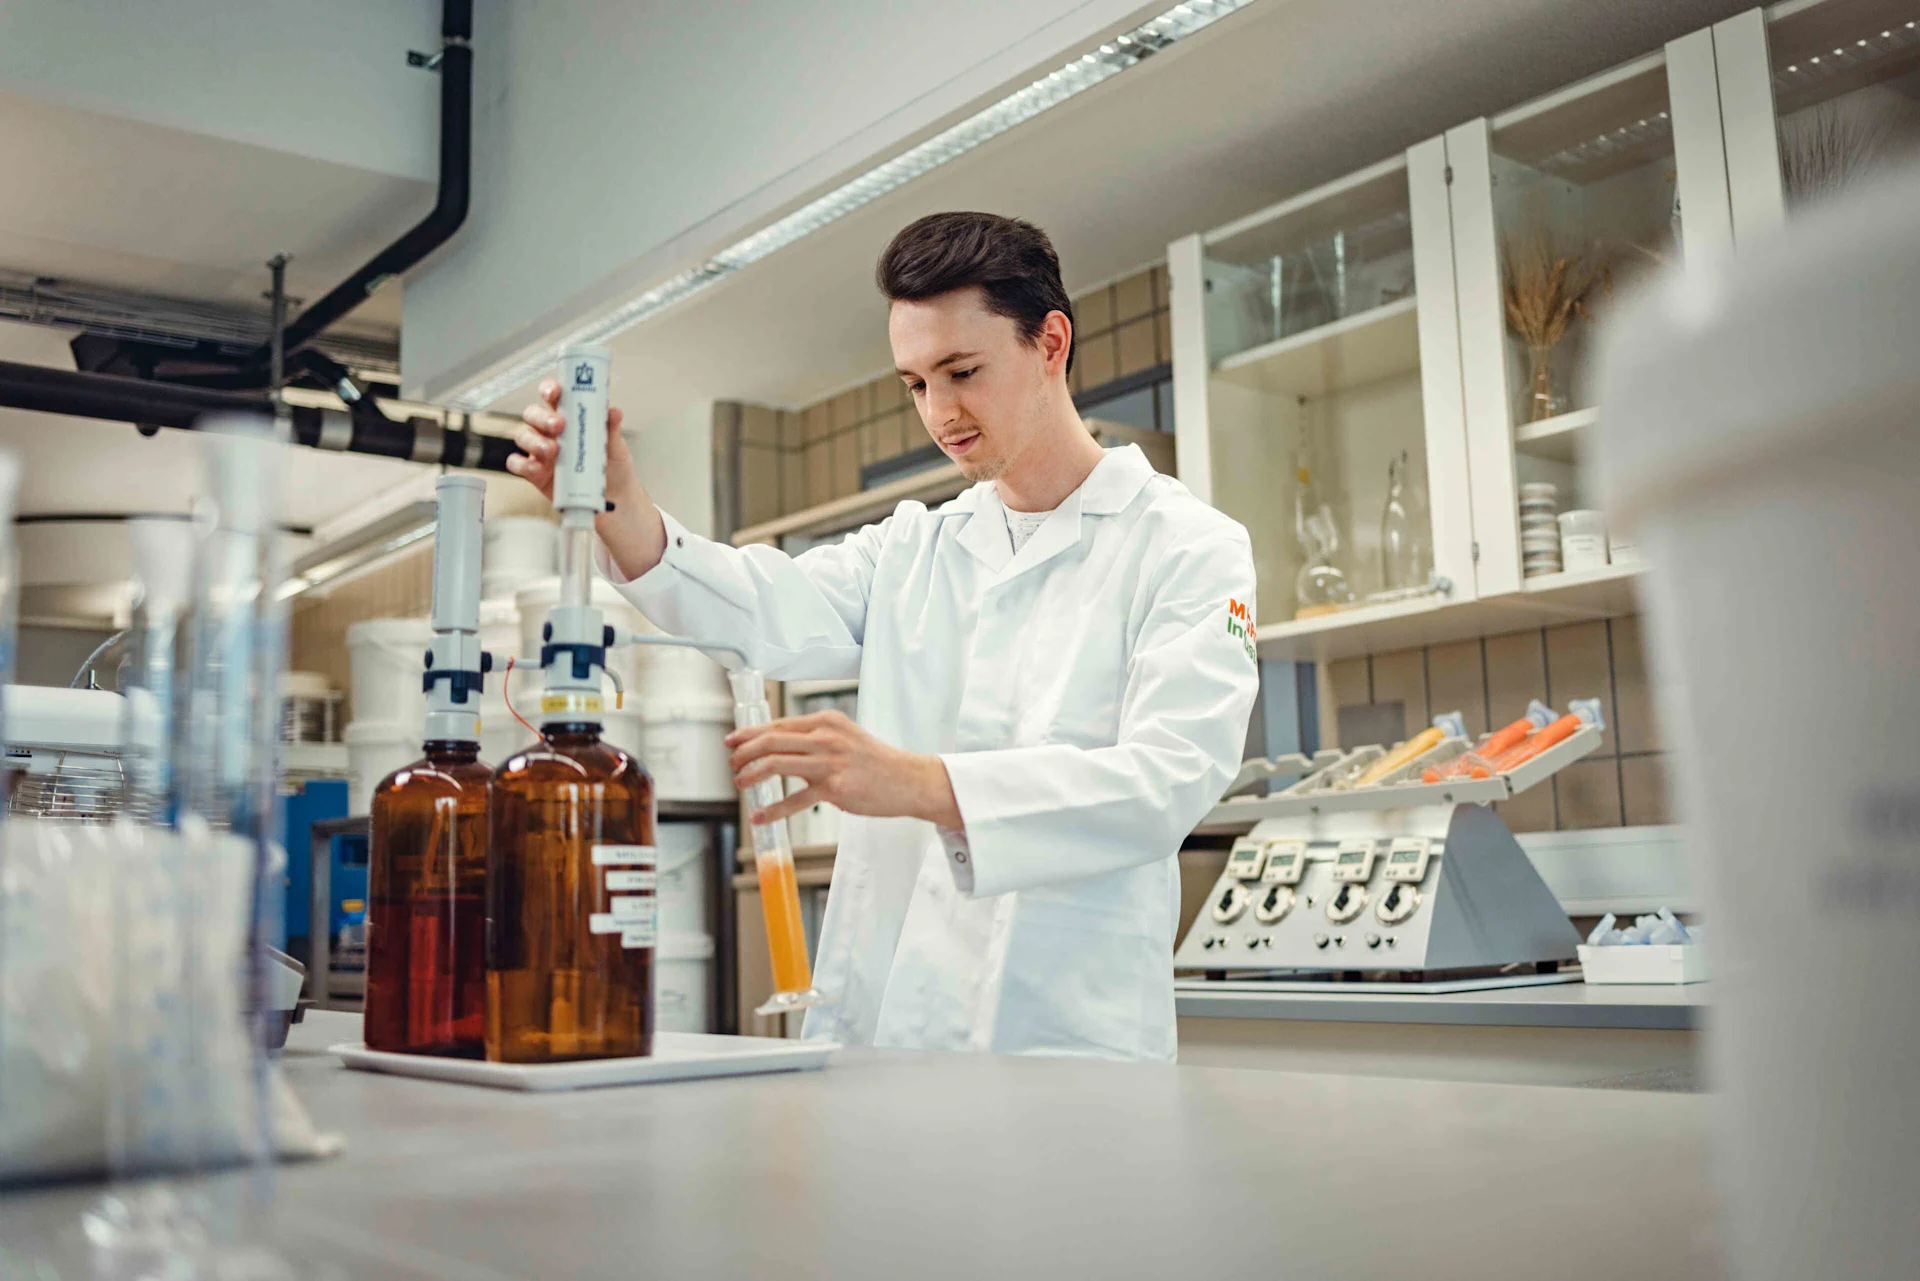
x=1089, y=697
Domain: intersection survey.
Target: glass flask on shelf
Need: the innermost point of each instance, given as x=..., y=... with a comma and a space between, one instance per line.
x=1406, y=560
x=1320, y=585
x=426, y=958
x=572, y=910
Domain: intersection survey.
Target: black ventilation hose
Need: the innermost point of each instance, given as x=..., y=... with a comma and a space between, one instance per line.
x=135, y=400
x=450, y=207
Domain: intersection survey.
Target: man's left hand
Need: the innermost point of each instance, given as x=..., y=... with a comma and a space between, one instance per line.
x=845, y=766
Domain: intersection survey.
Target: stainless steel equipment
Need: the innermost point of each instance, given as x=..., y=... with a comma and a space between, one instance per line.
x=64, y=753
x=1418, y=884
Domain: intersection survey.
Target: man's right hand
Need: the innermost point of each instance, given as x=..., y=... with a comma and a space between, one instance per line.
x=635, y=536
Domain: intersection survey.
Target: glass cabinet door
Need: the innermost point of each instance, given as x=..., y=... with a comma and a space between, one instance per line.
x=1845, y=76
x=1317, y=424
x=1559, y=207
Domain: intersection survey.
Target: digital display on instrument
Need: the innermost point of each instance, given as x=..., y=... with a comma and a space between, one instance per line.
x=1281, y=860
x=1405, y=856
x=1353, y=858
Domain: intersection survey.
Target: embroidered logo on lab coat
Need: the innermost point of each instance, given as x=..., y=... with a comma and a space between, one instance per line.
x=1240, y=626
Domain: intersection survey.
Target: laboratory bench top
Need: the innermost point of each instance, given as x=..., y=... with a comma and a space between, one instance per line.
x=890, y=1164
x=1651, y=1007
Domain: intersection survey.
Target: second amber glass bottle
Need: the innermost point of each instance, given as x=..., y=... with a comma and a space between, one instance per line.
x=426, y=944
x=570, y=902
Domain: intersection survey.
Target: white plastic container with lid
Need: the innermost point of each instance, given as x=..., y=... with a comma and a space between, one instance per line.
x=683, y=983
x=684, y=745
x=376, y=749
x=499, y=633
x=386, y=657
x=515, y=550
x=1763, y=449
x=682, y=851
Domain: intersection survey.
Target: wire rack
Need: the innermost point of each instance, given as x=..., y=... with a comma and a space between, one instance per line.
x=80, y=788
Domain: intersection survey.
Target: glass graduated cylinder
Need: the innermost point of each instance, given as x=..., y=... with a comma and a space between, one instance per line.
x=773, y=863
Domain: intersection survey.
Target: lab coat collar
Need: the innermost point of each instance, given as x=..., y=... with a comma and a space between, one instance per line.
x=1113, y=483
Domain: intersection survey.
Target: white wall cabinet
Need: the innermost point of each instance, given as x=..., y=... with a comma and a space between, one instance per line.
x=1317, y=339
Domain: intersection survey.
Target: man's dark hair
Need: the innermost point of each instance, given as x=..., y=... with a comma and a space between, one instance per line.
x=1012, y=261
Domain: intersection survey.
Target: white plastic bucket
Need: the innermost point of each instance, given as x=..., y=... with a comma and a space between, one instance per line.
x=500, y=734
x=387, y=658
x=684, y=746
x=376, y=749
x=675, y=674
x=683, y=983
x=515, y=550
x=682, y=850
x=499, y=633
x=1762, y=445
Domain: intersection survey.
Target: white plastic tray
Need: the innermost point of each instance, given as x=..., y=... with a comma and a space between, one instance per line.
x=1667, y=963
x=677, y=1056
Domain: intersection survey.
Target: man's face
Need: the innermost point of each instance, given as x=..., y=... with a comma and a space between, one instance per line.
x=980, y=388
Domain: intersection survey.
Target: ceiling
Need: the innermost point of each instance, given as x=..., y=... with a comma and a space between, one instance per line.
x=1273, y=101
x=151, y=209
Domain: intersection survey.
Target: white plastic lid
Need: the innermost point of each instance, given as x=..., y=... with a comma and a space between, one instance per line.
x=305, y=685
x=1732, y=367
x=78, y=719
x=409, y=631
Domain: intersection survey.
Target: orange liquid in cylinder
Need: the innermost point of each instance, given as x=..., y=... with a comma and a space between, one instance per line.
x=786, y=937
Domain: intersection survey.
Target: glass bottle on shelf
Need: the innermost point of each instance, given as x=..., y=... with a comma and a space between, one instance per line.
x=571, y=905
x=426, y=958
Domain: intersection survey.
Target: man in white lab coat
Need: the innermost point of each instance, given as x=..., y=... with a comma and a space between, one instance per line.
x=1056, y=671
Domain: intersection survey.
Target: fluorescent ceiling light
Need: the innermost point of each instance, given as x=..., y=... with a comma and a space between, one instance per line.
x=373, y=542
x=1074, y=78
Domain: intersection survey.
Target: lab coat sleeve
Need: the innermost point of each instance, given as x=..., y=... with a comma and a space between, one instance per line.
x=795, y=617
x=1045, y=815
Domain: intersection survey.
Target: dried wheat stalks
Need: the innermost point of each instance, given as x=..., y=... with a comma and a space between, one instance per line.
x=1544, y=291
x=1826, y=148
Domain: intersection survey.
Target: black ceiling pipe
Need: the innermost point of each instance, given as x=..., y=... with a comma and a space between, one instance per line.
x=449, y=209
x=136, y=400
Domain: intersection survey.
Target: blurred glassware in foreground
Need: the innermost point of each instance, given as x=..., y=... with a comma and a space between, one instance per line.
x=1763, y=444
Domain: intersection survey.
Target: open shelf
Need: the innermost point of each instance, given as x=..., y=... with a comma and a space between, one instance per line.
x=1609, y=589
x=1351, y=352
x=1378, y=629
x=1559, y=438
x=811, y=689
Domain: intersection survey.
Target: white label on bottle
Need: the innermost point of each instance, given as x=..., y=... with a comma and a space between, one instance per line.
x=637, y=936
x=634, y=911
x=603, y=923
x=624, y=856
x=646, y=879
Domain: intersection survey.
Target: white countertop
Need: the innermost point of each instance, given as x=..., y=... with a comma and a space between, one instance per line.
x=1665, y=1007
x=890, y=1165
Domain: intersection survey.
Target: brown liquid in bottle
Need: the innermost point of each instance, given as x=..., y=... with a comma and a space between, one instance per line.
x=556, y=989
x=426, y=919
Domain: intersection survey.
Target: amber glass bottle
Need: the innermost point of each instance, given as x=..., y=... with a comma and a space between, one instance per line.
x=570, y=902
x=426, y=942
